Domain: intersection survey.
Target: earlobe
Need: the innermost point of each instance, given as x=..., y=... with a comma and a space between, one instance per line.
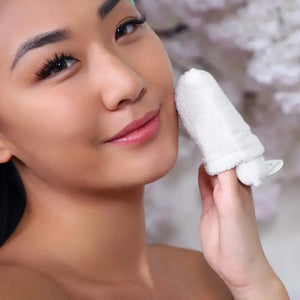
x=5, y=153
x=5, y=156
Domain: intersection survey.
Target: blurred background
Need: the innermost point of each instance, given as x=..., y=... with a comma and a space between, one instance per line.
x=252, y=48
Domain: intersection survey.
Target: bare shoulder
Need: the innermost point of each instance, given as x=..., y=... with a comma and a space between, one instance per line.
x=19, y=282
x=191, y=266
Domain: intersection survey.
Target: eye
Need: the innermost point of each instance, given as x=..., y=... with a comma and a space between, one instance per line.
x=130, y=26
x=56, y=65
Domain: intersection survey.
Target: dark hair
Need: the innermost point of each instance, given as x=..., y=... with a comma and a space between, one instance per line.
x=12, y=200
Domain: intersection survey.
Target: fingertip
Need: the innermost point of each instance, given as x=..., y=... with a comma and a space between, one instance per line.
x=201, y=168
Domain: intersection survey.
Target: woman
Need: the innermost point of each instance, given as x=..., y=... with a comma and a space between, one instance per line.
x=73, y=75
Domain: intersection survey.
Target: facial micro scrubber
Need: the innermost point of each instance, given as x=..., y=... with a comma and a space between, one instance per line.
x=223, y=137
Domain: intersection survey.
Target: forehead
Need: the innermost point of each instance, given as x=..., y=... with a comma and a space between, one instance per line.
x=22, y=19
x=36, y=13
x=37, y=9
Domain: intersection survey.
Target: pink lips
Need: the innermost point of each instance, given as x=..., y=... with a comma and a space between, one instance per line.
x=139, y=130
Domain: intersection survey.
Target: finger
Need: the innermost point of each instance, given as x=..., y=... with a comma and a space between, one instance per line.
x=227, y=195
x=204, y=182
x=232, y=196
x=206, y=189
x=228, y=181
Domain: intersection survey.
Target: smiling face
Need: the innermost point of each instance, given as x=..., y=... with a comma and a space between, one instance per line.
x=54, y=118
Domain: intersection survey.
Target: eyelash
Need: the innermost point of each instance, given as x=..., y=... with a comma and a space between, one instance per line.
x=50, y=64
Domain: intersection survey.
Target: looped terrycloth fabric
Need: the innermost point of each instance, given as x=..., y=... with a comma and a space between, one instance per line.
x=225, y=140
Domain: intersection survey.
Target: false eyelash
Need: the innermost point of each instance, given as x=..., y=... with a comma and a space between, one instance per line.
x=134, y=21
x=50, y=63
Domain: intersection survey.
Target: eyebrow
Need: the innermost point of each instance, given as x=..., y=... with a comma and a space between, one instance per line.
x=106, y=8
x=40, y=41
x=57, y=35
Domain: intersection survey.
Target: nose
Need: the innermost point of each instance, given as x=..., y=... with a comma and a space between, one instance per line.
x=118, y=83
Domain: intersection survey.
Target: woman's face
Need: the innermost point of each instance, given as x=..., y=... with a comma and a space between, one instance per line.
x=55, y=121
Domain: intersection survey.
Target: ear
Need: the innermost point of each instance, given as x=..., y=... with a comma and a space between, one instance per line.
x=5, y=153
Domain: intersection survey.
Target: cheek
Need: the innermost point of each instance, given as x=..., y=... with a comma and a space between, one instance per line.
x=154, y=64
x=50, y=122
x=55, y=137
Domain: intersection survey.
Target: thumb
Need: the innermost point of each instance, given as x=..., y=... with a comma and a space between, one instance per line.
x=206, y=186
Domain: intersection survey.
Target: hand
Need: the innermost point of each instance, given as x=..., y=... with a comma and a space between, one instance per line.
x=229, y=234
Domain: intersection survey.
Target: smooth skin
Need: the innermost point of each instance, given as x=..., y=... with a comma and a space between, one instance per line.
x=82, y=235
x=230, y=239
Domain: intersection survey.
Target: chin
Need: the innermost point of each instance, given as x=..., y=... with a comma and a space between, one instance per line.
x=148, y=171
x=164, y=153
x=163, y=163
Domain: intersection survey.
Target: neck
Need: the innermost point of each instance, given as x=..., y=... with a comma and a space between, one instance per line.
x=100, y=239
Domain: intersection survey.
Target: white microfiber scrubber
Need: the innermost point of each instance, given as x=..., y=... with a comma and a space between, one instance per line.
x=224, y=138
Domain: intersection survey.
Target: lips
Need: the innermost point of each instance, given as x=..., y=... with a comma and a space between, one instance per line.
x=135, y=125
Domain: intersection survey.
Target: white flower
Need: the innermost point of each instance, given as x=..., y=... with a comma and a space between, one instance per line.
x=279, y=63
x=289, y=101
